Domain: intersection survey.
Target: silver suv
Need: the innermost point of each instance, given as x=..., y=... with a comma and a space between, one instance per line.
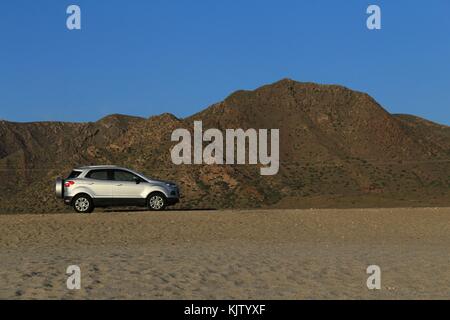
x=105, y=186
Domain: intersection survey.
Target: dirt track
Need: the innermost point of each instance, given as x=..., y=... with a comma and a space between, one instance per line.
x=273, y=254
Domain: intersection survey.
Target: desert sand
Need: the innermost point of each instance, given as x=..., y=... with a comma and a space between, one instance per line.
x=256, y=254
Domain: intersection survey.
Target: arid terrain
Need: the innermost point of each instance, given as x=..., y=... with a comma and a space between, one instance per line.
x=255, y=254
x=338, y=149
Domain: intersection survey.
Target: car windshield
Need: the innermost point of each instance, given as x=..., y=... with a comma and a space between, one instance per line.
x=143, y=175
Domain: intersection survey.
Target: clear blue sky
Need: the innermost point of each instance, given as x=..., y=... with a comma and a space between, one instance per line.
x=146, y=57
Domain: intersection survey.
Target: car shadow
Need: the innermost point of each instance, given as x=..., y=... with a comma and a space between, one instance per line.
x=119, y=210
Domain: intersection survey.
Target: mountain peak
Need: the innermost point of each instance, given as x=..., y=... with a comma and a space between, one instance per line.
x=287, y=81
x=119, y=117
x=165, y=117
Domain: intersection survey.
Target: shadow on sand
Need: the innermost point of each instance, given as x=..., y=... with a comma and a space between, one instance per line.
x=118, y=210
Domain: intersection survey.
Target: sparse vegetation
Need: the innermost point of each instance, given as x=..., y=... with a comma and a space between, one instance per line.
x=348, y=157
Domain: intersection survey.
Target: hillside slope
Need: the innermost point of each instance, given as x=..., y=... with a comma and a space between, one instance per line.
x=338, y=148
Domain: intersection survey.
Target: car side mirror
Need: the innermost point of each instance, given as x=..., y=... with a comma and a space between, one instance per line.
x=137, y=180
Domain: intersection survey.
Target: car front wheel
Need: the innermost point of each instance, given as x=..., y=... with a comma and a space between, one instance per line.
x=156, y=202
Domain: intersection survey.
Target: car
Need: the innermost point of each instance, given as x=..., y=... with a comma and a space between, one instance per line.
x=108, y=186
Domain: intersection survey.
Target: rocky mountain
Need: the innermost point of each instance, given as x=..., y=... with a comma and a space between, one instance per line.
x=338, y=148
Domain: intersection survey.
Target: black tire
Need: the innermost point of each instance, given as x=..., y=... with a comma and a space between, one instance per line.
x=156, y=201
x=82, y=203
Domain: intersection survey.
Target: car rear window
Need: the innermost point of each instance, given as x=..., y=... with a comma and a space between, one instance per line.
x=98, y=174
x=74, y=174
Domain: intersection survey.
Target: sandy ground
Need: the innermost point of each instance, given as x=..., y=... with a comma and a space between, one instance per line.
x=273, y=254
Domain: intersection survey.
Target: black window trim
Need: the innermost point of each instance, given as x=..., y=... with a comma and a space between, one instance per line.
x=113, y=175
x=109, y=174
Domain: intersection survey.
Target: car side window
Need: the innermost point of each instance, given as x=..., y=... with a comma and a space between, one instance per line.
x=98, y=175
x=120, y=175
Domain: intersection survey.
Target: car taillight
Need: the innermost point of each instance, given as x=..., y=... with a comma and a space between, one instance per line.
x=69, y=183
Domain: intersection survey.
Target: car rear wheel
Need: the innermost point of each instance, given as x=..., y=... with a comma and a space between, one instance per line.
x=83, y=204
x=156, y=202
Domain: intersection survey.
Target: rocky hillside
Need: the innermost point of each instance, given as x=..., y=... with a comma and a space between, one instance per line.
x=338, y=148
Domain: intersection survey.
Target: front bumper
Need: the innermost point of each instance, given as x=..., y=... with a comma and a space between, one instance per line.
x=172, y=201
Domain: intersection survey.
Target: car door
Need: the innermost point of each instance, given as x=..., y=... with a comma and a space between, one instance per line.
x=125, y=187
x=100, y=183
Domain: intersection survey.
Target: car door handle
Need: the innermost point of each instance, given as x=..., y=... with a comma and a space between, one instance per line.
x=91, y=184
x=119, y=185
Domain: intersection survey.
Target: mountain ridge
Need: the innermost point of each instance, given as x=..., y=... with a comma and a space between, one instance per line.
x=336, y=145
